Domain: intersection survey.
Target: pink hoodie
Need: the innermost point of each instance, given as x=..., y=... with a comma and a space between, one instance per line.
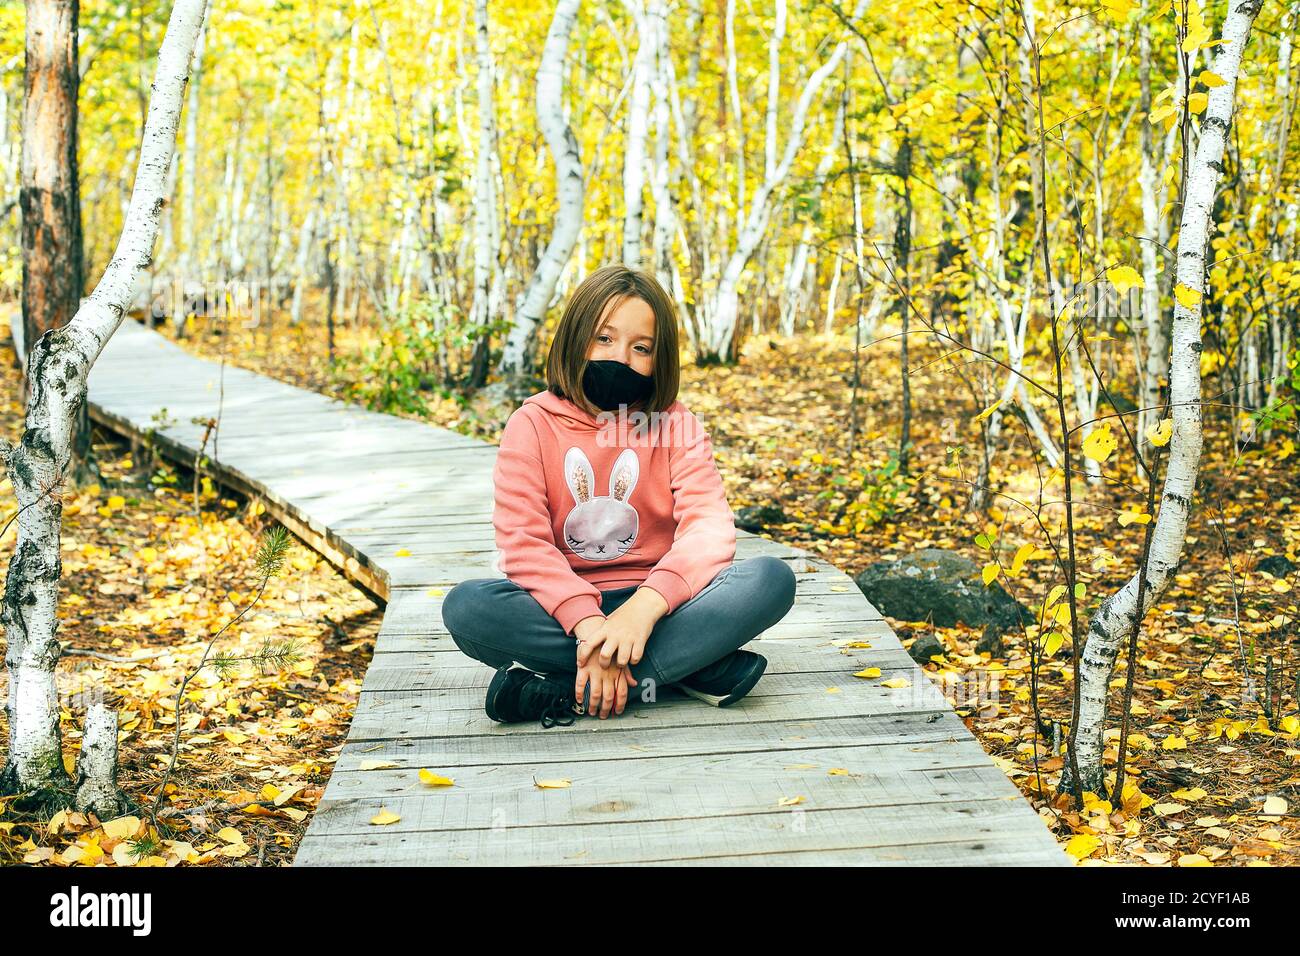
x=584, y=504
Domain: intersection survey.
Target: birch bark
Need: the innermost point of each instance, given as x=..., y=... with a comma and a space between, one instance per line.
x=1115, y=618
x=59, y=363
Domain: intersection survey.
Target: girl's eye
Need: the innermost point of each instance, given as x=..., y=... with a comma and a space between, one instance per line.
x=574, y=542
x=628, y=539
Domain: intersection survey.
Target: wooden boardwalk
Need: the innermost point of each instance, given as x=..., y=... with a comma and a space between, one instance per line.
x=678, y=782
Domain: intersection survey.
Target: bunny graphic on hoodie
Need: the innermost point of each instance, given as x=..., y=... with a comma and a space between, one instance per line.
x=663, y=521
x=600, y=528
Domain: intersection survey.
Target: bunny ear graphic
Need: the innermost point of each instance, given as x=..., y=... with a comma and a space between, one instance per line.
x=578, y=474
x=623, y=476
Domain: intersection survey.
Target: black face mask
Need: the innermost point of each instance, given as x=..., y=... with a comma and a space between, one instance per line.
x=609, y=384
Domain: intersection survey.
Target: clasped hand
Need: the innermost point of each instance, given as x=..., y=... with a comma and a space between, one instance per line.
x=621, y=640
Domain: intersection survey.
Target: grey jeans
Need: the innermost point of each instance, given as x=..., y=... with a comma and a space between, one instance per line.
x=498, y=622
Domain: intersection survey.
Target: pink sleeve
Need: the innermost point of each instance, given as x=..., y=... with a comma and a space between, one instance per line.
x=522, y=519
x=705, y=540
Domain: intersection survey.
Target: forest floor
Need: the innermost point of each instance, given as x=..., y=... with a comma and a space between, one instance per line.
x=1214, y=776
x=147, y=582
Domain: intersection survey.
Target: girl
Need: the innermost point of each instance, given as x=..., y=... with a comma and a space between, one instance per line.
x=613, y=531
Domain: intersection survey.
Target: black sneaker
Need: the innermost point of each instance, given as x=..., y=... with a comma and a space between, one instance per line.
x=518, y=694
x=726, y=681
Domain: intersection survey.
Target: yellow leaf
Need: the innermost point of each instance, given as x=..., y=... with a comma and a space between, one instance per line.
x=1211, y=80
x=1054, y=595
x=1083, y=846
x=1275, y=806
x=1197, y=32
x=1118, y=10
x=1187, y=297
x=122, y=828
x=377, y=764
x=116, y=501
x=1192, y=795
x=1174, y=743
x=552, y=784
x=896, y=682
x=1160, y=434
x=384, y=817
x=988, y=411
x=234, y=736
x=230, y=835
x=868, y=672
x=433, y=780
x=1023, y=554
x=1124, y=278
x=789, y=801
x=1127, y=518
x=1197, y=102
x=838, y=772
x=990, y=573
x=1163, y=112
x=284, y=796
x=1100, y=443
x=1168, y=809
x=1193, y=859
x=1053, y=644
x=402, y=553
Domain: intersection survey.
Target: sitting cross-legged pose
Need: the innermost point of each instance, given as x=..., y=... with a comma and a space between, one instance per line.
x=613, y=531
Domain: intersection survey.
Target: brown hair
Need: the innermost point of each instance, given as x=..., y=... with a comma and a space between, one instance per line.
x=582, y=319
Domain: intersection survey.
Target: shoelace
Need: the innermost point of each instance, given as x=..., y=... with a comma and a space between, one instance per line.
x=558, y=711
x=558, y=714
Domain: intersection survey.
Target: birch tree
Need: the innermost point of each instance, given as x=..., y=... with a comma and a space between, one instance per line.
x=59, y=363
x=756, y=212
x=487, y=223
x=638, y=119
x=50, y=198
x=1121, y=612
x=570, y=191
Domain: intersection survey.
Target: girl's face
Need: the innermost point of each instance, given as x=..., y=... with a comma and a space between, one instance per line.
x=627, y=335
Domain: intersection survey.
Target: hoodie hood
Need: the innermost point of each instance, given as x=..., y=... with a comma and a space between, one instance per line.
x=573, y=417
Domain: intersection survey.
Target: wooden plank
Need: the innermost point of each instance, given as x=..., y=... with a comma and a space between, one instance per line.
x=423, y=640
x=852, y=732
x=649, y=790
x=667, y=840
x=397, y=716
x=449, y=668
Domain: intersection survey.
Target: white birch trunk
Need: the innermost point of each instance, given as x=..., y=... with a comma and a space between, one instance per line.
x=726, y=297
x=1113, y=622
x=662, y=179
x=305, y=236
x=486, y=229
x=188, y=280
x=1153, y=362
x=794, y=297
x=638, y=122
x=60, y=362
x=570, y=192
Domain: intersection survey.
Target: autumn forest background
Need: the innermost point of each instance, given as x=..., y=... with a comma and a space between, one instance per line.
x=942, y=285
